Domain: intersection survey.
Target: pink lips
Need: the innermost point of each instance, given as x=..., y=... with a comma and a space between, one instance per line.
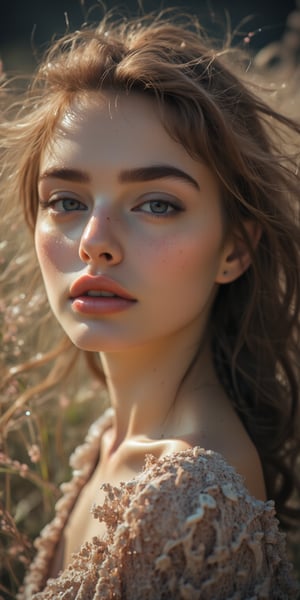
x=99, y=305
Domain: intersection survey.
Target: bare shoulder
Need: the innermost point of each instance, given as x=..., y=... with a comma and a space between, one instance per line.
x=233, y=443
x=243, y=456
x=230, y=438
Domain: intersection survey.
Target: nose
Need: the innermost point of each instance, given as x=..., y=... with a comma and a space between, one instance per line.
x=99, y=243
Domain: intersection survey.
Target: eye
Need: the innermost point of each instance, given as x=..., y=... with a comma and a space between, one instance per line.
x=63, y=205
x=158, y=207
x=68, y=204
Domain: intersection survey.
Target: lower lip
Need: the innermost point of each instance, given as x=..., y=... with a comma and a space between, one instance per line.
x=100, y=305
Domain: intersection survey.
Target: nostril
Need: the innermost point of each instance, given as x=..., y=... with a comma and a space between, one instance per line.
x=107, y=255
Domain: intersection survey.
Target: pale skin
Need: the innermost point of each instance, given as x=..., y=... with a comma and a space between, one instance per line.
x=160, y=235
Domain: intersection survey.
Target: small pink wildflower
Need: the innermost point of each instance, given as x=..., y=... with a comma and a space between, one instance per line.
x=34, y=453
x=64, y=401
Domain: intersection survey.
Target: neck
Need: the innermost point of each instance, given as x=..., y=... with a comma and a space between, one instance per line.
x=149, y=386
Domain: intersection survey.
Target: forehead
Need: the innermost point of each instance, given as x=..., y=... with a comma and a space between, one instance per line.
x=107, y=130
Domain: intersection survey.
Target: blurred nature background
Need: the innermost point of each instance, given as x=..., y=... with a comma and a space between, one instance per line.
x=37, y=439
x=26, y=25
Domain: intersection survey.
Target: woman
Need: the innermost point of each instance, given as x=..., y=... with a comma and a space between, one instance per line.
x=165, y=225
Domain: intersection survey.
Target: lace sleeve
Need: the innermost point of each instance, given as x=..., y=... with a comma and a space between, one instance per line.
x=186, y=528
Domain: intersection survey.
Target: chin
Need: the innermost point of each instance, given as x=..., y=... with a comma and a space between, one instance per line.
x=87, y=341
x=85, y=337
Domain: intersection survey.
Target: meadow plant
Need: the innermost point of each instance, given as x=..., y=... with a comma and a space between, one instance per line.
x=34, y=445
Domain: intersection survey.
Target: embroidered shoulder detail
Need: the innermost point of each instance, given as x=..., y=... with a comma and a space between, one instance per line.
x=184, y=528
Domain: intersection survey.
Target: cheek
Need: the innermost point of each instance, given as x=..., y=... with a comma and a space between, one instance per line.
x=55, y=252
x=193, y=259
x=180, y=279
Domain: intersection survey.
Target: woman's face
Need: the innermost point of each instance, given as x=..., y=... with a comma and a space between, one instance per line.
x=129, y=234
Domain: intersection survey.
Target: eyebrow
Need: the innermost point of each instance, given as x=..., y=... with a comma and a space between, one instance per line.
x=125, y=176
x=156, y=172
x=67, y=174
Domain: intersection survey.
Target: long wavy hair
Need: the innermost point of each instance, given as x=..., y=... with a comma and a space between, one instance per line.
x=211, y=105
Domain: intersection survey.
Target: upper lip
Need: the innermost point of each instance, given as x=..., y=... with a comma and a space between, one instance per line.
x=87, y=283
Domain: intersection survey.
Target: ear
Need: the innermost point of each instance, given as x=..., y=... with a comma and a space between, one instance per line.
x=236, y=257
